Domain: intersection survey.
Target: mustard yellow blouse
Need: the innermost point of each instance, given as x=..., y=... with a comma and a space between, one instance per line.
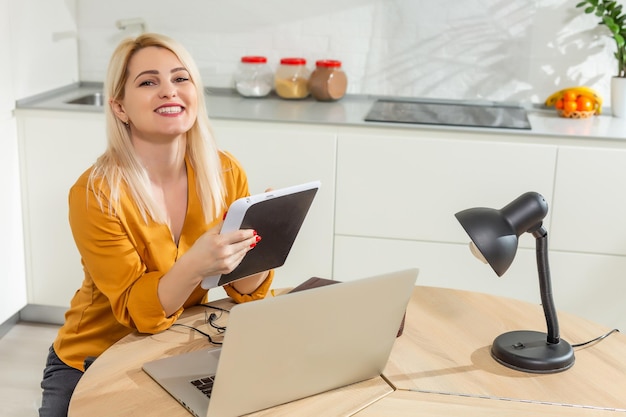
x=123, y=259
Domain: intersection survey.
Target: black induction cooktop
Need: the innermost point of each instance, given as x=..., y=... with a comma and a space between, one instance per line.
x=449, y=114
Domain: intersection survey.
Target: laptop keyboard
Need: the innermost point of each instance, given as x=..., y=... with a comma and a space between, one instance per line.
x=205, y=385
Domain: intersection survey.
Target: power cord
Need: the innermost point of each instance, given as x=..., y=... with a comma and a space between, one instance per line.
x=597, y=339
x=209, y=319
x=208, y=336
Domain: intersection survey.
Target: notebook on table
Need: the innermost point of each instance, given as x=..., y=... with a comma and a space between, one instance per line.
x=292, y=346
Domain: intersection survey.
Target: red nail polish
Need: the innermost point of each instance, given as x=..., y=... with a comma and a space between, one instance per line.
x=252, y=245
x=258, y=238
x=254, y=232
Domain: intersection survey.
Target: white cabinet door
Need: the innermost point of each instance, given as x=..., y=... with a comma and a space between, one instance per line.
x=589, y=210
x=56, y=147
x=446, y=265
x=278, y=156
x=590, y=286
x=410, y=187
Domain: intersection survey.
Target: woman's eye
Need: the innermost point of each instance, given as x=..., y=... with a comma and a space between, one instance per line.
x=181, y=79
x=146, y=82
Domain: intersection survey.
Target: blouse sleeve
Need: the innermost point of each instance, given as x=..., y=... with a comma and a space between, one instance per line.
x=112, y=258
x=258, y=294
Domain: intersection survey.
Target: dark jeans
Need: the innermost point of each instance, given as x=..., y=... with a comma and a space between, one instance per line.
x=59, y=381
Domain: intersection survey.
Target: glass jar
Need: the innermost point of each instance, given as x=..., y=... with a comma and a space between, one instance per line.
x=254, y=78
x=328, y=82
x=292, y=78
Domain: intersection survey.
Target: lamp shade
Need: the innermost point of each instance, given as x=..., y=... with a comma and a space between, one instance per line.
x=495, y=233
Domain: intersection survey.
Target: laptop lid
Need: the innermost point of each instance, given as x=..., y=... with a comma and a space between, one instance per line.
x=295, y=345
x=300, y=344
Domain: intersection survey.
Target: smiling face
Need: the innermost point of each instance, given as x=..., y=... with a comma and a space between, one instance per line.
x=160, y=100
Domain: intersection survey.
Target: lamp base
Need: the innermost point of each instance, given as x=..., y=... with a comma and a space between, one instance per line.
x=529, y=351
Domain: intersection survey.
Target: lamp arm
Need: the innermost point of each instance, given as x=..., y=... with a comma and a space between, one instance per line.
x=545, y=286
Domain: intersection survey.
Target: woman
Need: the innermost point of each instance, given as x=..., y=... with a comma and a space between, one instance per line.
x=145, y=217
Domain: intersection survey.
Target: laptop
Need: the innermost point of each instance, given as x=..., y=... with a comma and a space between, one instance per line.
x=292, y=346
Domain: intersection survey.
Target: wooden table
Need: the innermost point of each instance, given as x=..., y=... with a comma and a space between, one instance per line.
x=446, y=344
x=440, y=366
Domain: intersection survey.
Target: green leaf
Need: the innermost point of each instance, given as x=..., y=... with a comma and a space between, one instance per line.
x=610, y=14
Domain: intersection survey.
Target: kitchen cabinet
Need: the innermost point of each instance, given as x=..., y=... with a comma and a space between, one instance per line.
x=279, y=155
x=402, y=202
x=590, y=201
x=387, y=202
x=56, y=147
x=397, y=186
x=395, y=209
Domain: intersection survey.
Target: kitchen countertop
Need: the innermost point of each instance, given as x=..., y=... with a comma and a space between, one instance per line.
x=351, y=110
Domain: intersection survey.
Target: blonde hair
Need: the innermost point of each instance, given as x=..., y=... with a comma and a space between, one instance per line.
x=119, y=164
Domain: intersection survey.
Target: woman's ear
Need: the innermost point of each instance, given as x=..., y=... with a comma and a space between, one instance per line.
x=118, y=110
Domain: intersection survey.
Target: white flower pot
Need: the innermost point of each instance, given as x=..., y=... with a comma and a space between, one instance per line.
x=618, y=97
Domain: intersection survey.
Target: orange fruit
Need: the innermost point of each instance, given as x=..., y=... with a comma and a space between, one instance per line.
x=570, y=106
x=559, y=104
x=584, y=104
x=570, y=95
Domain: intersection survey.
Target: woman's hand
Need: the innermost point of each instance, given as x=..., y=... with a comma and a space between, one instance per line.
x=216, y=254
x=212, y=254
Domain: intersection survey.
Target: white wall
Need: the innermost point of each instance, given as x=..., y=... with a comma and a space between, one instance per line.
x=44, y=45
x=12, y=275
x=505, y=50
x=39, y=51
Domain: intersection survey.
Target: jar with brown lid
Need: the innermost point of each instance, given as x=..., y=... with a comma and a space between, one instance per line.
x=328, y=82
x=292, y=78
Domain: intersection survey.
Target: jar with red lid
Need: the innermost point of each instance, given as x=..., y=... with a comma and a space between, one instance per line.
x=291, y=80
x=254, y=77
x=328, y=82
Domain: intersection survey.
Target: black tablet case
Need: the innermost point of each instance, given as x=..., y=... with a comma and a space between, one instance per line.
x=278, y=222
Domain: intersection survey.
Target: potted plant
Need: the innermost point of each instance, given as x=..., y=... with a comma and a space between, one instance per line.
x=610, y=13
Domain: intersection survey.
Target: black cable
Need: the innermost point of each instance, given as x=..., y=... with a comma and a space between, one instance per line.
x=597, y=339
x=215, y=308
x=213, y=342
x=211, y=320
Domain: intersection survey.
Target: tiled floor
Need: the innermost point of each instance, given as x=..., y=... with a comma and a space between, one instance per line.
x=23, y=352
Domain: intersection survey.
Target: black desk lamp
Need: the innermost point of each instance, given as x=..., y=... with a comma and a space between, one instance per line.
x=494, y=235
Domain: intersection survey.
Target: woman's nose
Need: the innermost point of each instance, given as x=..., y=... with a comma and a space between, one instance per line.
x=167, y=91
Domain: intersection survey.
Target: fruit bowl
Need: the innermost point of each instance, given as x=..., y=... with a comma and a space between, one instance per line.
x=575, y=114
x=579, y=102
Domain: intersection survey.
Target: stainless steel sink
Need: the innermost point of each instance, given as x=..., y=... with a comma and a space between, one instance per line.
x=92, y=99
